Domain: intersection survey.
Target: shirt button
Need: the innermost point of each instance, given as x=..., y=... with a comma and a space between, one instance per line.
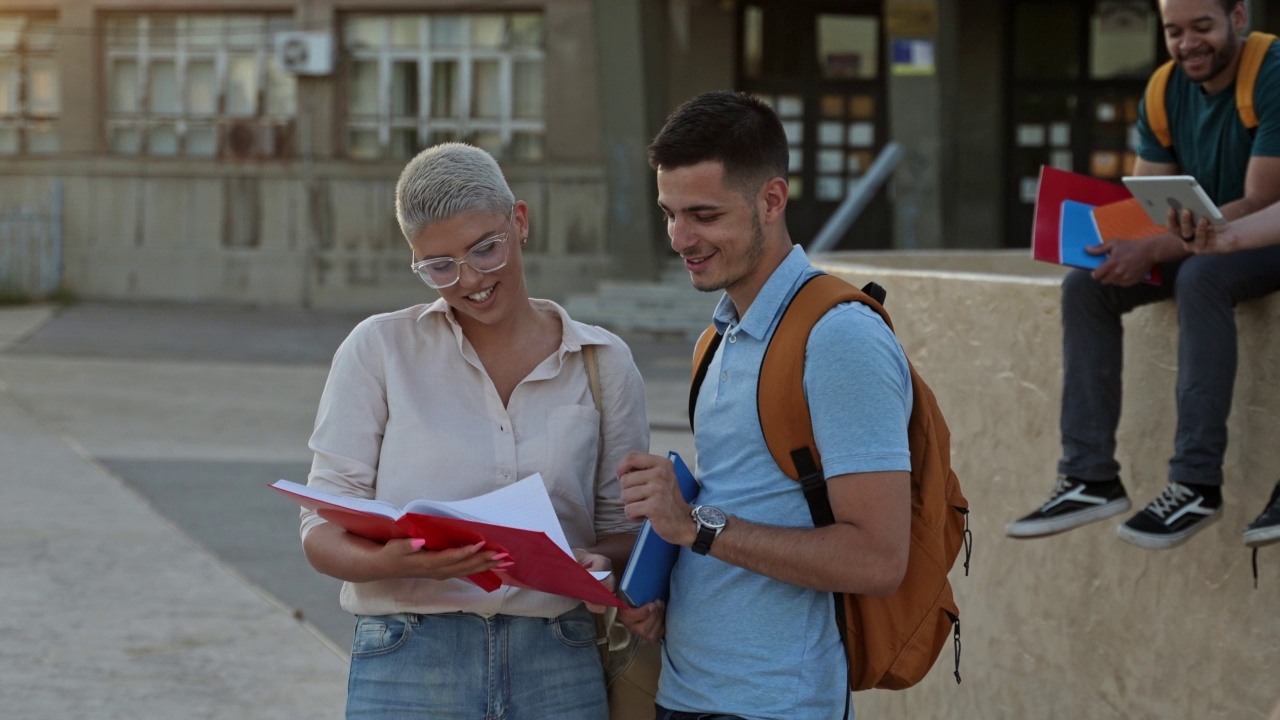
x=506, y=472
x=733, y=338
x=724, y=376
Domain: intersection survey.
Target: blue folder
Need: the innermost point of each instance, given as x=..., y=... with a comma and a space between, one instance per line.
x=1079, y=232
x=648, y=574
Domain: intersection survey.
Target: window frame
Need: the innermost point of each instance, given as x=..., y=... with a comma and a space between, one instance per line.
x=427, y=128
x=24, y=120
x=263, y=132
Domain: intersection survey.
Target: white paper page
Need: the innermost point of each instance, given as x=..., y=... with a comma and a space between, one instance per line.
x=523, y=504
x=377, y=507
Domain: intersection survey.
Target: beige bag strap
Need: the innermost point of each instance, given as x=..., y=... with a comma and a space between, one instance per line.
x=593, y=382
x=612, y=635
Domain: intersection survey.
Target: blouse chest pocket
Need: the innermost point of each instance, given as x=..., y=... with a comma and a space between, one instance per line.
x=573, y=444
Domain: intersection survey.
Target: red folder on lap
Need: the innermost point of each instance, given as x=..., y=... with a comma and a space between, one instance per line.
x=1058, y=185
x=1074, y=212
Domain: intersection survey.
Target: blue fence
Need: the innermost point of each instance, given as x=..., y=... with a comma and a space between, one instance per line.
x=31, y=248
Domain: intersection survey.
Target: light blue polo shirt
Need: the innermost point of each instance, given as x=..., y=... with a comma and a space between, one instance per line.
x=738, y=642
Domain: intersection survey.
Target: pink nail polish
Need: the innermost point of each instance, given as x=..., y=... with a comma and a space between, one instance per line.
x=418, y=543
x=499, y=556
x=507, y=564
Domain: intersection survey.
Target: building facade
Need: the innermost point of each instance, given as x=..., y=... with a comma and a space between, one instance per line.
x=246, y=151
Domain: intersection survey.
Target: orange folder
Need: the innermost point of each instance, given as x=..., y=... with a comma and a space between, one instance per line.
x=1127, y=220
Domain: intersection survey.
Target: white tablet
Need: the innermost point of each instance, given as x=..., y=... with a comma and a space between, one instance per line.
x=1158, y=193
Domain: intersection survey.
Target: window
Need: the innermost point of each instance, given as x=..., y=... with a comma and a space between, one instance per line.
x=417, y=80
x=29, y=100
x=197, y=85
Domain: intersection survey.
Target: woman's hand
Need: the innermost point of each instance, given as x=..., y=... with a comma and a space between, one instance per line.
x=408, y=559
x=596, y=563
x=647, y=621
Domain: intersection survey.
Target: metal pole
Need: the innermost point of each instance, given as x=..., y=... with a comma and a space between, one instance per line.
x=854, y=203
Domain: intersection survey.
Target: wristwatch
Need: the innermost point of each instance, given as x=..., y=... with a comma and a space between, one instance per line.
x=710, y=521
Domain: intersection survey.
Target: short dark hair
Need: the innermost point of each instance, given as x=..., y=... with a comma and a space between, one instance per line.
x=736, y=129
x=1229, y=5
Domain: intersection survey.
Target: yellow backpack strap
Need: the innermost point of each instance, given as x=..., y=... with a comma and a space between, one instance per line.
x=702, y=354
x=1255, y=50
x=784, y=412
x=1157, y=114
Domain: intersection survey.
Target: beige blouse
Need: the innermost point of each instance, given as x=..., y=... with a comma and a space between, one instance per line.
x=408, y=412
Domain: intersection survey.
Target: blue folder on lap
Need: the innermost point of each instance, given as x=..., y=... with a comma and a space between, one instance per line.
x=1079, y=232
x=648, y=574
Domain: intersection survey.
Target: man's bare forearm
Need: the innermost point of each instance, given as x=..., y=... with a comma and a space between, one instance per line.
x=836, y=558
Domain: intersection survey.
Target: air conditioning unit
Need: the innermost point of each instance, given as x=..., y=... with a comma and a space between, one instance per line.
x=305, y=53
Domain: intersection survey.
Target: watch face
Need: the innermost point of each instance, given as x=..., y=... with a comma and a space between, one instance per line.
x=710, y=516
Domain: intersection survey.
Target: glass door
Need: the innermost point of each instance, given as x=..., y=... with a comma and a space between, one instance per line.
x=1077, y=72
x=820, y=65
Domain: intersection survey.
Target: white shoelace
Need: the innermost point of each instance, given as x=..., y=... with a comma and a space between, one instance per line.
x=1059, y=488
x=1170, y=499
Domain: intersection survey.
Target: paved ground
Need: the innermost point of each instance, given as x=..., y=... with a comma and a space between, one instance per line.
x=145, y=570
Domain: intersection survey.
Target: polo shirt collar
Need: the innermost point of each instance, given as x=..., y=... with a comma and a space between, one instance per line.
x=764, y=310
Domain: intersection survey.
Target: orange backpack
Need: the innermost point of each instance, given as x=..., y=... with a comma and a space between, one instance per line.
x=1255, y=50
x=890, y=642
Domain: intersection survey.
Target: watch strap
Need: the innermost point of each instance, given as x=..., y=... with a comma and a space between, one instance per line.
x=702, y=543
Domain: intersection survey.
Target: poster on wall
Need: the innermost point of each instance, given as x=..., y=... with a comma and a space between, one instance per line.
x=912, y=56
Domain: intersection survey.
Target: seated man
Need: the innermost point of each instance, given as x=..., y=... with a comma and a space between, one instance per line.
x=1239, y=168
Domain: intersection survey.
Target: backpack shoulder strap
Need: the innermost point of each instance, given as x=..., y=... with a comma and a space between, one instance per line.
x=702, y=354
x=784, y=412
x=1255, y=50
x=1157, y=113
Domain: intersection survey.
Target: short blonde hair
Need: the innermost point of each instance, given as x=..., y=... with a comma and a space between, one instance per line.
x=447, y=180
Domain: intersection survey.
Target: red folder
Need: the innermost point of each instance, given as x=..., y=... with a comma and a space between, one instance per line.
x=539, y=563
x=1058, y=185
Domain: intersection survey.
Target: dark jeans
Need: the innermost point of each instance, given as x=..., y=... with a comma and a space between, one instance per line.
x=665, y=714
x=1206, y=289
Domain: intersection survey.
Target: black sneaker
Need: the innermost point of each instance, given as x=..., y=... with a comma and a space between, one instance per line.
x=1175, y=515
x=1073, y=503
x=1266, y=529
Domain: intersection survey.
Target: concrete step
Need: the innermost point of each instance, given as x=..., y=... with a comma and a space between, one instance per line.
x=670, y=305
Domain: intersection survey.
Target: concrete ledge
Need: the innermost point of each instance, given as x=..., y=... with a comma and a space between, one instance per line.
x=1082, y=625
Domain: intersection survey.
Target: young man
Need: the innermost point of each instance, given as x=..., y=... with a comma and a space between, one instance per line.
x=1240, y=170
x=750, y=625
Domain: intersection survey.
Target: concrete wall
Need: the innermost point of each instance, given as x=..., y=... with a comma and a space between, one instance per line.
x=179, y=231
x=1082, y=625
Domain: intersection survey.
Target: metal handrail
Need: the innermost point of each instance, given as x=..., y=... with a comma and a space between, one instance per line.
x=855, y=202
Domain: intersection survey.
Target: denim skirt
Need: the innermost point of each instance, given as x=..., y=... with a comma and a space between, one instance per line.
x=467, y=667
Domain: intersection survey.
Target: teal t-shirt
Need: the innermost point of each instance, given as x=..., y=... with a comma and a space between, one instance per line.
x=1210, y=142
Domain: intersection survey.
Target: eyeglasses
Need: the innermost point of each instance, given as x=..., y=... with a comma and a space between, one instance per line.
x=485, y=256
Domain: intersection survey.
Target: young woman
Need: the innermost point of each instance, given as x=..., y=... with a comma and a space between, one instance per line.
x=454, y=399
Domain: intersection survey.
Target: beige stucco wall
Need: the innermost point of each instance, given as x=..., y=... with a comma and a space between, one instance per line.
x=1082, y=625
